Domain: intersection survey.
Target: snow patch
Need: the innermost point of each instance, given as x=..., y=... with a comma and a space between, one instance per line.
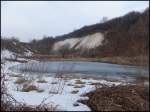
x=28, y=53
x=64, y=100
x=7, y=54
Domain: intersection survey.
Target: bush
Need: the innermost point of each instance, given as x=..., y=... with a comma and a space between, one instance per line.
x=29, y=88
x=42, y=81
x=79, y=86
x=74, y=92
x=79, y=82
x=119, y=98
x=20, y=81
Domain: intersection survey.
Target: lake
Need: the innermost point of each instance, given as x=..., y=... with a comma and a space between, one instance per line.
x=82, y=67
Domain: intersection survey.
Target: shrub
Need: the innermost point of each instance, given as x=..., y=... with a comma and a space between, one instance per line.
x=29, y=88
x=70, y=84
x=16, y=75
x=119, y=98
x=20, y=81
x=79, y=82
x=54, y=82
x=79, y=86
x=42, y=81
x=75, y=91
x=40, y=90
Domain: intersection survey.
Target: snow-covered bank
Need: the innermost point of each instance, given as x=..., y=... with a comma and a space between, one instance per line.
x=64, y=100
x=67, y=100
x=7, y=54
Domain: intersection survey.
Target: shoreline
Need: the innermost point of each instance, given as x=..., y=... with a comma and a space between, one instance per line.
x=133, y=61
x=78, y=86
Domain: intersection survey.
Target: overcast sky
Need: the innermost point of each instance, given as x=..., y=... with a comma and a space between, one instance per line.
x=34, y=19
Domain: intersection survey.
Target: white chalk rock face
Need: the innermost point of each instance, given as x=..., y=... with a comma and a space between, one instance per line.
x=71, y=42
x=85, y=42
x=91, y=41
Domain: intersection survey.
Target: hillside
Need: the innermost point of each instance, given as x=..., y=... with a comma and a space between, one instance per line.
x=127, y=35
x=123, y=36
x=14, y=46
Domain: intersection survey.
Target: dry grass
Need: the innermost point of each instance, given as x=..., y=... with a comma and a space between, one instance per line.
x=9, y=106
x=40, y=90
x=75, y=104
x=29, y=88
x=85, y=77
x=16, y=75
x=138, y=60
x=53, y=92
x=54, y=82
x=119, y=98
x=70, y=84
x=79, y=82
x=65, y=78
x=75, y=91
x=42, y=81
x=20, y=81
x=79, y=86
x=141, y=79
x=93, y=83
x=6, y=79
x=46, y=107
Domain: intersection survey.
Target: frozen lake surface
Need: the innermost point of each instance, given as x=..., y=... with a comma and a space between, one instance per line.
x=93, y=68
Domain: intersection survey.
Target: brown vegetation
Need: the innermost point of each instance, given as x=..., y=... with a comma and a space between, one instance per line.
x=15, y=75
x=70, y=84
x=75, y=91
x=79, y=82
x=119, y=98
x=79, y=86
x=13, y=105
x=42, y=81
x=138, y=60
x=29, y=88
x=94, y=83
x=20, y=80
x=54, y=82
x=40, y=90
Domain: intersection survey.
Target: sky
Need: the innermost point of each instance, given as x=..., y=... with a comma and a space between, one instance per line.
x=27, y=20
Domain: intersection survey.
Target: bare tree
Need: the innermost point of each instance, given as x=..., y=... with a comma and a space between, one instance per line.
x=64, y=50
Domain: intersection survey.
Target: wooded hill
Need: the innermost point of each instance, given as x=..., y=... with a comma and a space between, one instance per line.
x=127, y=35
